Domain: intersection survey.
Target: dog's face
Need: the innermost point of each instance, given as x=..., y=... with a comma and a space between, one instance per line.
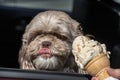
x=47, y=41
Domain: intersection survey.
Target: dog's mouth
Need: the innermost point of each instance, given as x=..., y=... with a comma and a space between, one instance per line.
x=45, y=52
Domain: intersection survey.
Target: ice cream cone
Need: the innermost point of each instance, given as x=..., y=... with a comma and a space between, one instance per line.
x=97, y=66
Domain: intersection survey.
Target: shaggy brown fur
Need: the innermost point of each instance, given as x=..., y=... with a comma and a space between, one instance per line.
x=47, y=42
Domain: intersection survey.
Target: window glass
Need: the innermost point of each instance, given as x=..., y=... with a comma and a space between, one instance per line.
x=40, y=4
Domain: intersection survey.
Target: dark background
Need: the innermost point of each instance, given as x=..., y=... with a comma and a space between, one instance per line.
x=100, y=18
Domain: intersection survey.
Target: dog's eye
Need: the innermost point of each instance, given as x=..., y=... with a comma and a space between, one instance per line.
x=62, y=37
x=32, y=37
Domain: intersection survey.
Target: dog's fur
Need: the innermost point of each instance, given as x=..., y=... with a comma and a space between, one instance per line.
x=54, y=30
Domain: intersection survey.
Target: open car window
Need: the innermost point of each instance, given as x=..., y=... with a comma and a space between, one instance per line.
x=67, y=5
x=18, y=74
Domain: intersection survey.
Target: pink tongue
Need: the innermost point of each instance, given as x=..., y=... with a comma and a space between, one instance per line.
x=44, y=51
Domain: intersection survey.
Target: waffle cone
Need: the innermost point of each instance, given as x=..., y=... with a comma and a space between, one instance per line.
x=97, y=66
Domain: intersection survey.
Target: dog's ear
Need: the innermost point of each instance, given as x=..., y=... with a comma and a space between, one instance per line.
x=25, y=63
x=76, y=28
x=24, y=60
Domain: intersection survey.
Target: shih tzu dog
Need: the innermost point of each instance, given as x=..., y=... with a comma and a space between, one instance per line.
x=47, y=42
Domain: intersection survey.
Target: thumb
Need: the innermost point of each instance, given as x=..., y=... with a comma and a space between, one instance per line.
x=114, y=72
x=94, y=78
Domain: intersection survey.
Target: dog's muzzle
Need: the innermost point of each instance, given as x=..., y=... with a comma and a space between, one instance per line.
x=45, y=51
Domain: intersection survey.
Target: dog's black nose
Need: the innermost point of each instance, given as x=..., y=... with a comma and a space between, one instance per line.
x=46, y=44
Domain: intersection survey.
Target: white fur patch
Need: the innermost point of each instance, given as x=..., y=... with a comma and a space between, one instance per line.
x=49, y=63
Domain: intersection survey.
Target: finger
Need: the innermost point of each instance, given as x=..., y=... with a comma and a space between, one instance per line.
x=94, y=78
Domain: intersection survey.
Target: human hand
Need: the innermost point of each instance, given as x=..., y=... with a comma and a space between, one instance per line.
x=112, y=72
x=94, y=78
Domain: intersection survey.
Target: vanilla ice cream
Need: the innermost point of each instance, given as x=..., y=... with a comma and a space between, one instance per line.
x=84, y=49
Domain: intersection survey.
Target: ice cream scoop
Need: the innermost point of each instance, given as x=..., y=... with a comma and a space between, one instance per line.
x=92, y=56
x=84, y=49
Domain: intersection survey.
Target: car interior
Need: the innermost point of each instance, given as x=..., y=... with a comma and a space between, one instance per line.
x=100, y=18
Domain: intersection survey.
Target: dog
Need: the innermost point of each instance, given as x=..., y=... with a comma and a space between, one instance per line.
x=47, y=42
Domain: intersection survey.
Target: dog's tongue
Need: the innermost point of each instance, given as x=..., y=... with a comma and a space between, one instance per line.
x=44, y=51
